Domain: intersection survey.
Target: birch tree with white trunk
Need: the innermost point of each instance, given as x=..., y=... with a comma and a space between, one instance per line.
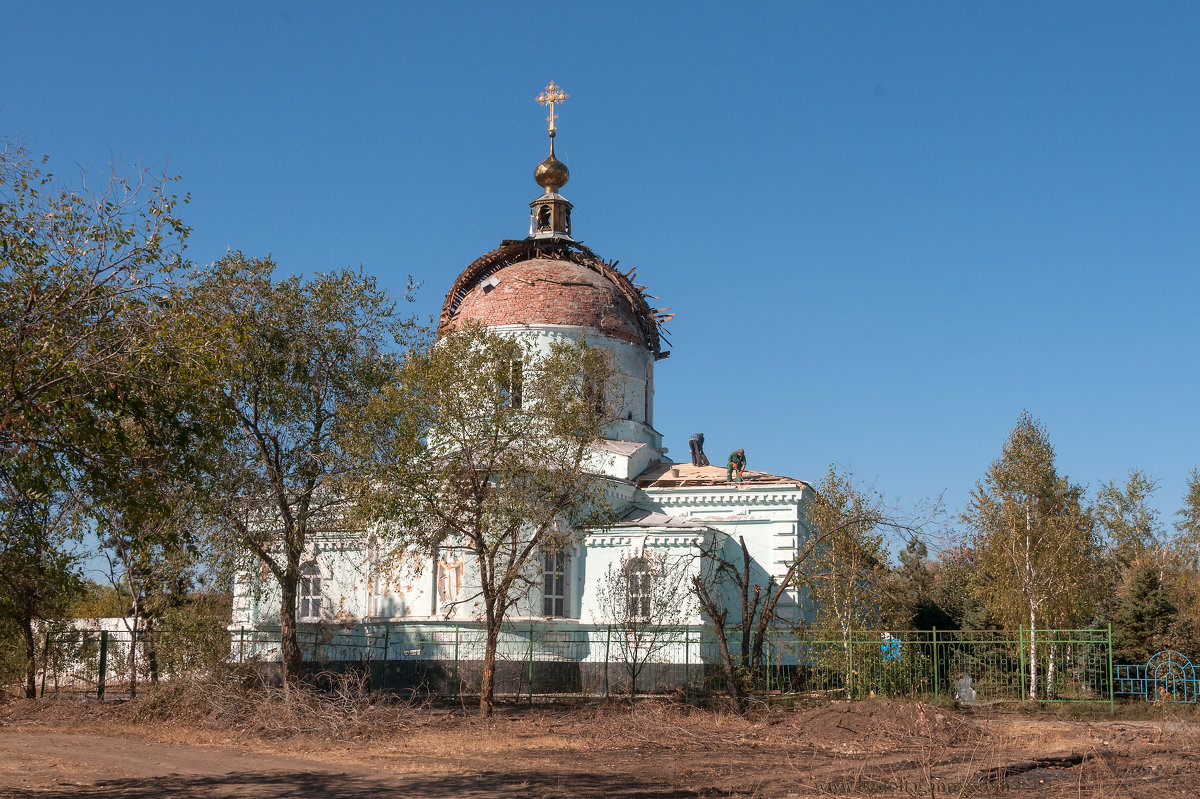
x=1035, y=543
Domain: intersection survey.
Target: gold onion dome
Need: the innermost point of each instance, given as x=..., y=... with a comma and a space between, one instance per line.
x=552, y=174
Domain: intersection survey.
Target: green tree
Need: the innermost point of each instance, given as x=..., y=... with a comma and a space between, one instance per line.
x=467, y=463
x=98, y=601
x=1187, y=525
x=833, y=525
x=911, y=588
x=81, y=277
x=39, y=571
x=152, y=562
x=1145, y=616
x=1128, y=523
x=957, y=590
x=1033, y=541
x=845, y=577
x=296, y=361
x=90, y=390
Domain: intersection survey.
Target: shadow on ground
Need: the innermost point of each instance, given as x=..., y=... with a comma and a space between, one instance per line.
x=340, y=786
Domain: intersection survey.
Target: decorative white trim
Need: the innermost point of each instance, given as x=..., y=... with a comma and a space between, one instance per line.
x=641, y=541
x=566, y=331
x=682, y=497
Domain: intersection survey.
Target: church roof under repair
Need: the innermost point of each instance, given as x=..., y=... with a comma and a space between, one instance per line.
x=684, y=475
x=553, y=282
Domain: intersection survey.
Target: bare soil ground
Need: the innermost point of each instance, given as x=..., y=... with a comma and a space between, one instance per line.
x=656, y=749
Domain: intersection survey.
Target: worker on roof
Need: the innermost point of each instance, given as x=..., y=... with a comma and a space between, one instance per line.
x=696, y=445
x=737, y=462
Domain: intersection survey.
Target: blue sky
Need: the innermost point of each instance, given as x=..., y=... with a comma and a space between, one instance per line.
x=885, y=228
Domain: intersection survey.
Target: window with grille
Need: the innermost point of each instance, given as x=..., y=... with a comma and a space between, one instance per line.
x=637, y=572
x=515, y=382
x=308, y=596
x=554, y=593
x=593, y=392
x=510, y=376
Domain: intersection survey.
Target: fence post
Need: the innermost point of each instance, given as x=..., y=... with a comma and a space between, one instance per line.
x=686, y=663
x=457, y=678
x=387, y=644
x=850, y=668
x=607, y=645
x=45, y=662
x=937, y=678
x=242, y=644
x=103, y=664
x=1112, y=704
x=531, y=662
x=1021, y=653
x=767, y=663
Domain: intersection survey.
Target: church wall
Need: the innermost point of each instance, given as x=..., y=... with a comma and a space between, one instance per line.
x=603, y=553
x=770, y=518
x=633, y=367
x=415, y=586
x=344, y=579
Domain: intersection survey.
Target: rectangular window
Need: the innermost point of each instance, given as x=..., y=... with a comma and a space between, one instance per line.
x=308, y=595
x=554, y=592
x=510, y=376
x=516, y=382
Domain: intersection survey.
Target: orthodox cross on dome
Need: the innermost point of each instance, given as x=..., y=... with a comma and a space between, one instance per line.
x=550, y=214
x=550, y=95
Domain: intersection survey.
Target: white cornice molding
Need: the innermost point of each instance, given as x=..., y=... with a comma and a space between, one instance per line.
x=665, y=540
x=677, y=497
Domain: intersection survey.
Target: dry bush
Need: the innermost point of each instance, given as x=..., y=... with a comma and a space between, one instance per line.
x=337, y=705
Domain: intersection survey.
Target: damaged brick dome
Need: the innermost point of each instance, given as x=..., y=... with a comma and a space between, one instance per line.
x=559, y=282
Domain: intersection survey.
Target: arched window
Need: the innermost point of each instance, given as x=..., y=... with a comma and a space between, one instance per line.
x=543, y=221
x=308, y=594
x=637, y=573
x=554, y=592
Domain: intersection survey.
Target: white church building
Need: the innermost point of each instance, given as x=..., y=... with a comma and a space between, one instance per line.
x=416, y=624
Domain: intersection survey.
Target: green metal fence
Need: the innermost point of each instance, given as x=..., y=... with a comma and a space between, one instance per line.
x=103, y=664
x=967, y=666
x=535, y=658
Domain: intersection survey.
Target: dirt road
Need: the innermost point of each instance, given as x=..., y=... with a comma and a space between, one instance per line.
x=57, y=764
x=877, y=749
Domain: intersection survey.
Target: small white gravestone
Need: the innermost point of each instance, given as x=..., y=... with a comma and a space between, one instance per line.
x=963, y=691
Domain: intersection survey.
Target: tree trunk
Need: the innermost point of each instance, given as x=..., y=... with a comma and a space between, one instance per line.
x=151, y=653
x=747, y=613
x=1033, y=667
x=30, y=659
x=1050, y=672
x=289, y=646
x=727, y=664
x=1029, y=587
x=136, y=609
x=718, y=614
x=487, y=683
x=634, y=660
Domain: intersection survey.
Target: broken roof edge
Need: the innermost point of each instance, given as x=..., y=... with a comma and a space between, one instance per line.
x=646, y=518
